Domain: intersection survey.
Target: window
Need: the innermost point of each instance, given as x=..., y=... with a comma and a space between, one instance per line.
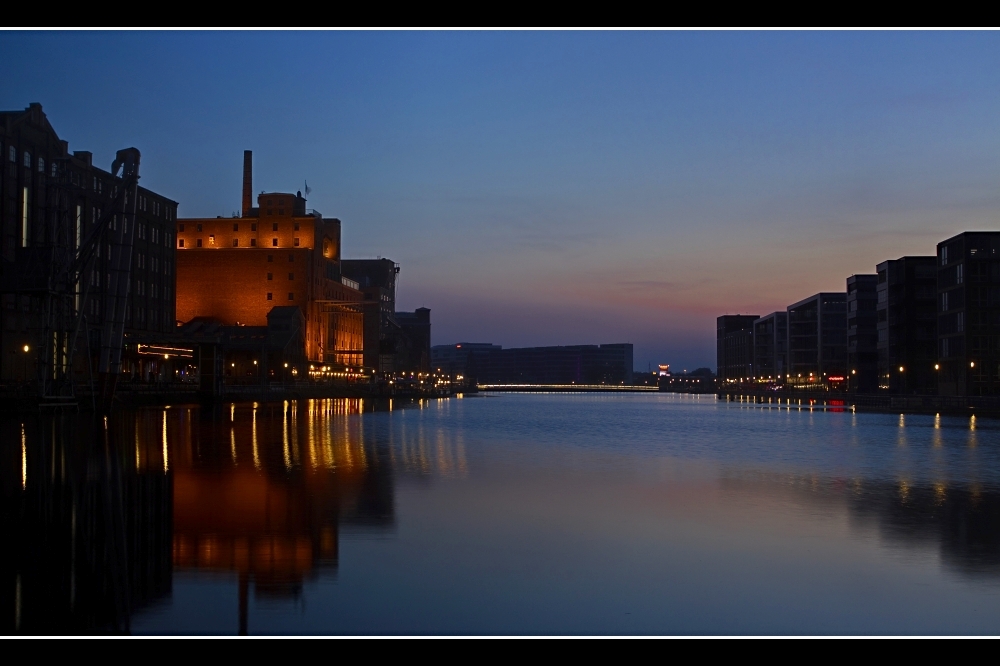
x=24, y=217
x=275, y=225
x=211, y=239
x=274, y=242
x=291, y=257
x=199, y=242
x=296, y=242
x=960, y=323
x=291, y=296
x=236, y=242
x=53, y=174
x=13, y=154
x=253, y=242
x=269, y=202
x=269, y=296
x=180, y=227
x=958, y=273
x=291, y=276
x=270, y=257
x=944, y=302
x=253, y=226
x=270, y=276
x=281, y=211
x=944, y=255
x=41, y=165
x=236, y=226
x=27, y=159
x=79, y=226
x=199, y=227
x=296, y=226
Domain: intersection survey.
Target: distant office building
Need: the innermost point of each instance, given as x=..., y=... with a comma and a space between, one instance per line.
x=817, y=341
x=968, y=293
x=52, y=201
x=734, y=347
x=413, y=350
x=907, y=329
x=862, y=333
x=463, y=358
x=277, y=254
x=571, y=364
x=770, y=347
x=376, y=279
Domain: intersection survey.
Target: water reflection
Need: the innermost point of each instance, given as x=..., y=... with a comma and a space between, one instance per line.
x=617, y=503
x=102, y=513
x=87, y=531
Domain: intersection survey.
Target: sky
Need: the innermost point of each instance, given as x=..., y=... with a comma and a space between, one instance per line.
x=544, y=188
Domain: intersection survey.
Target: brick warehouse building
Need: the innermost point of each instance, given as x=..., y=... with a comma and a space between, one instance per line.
x=237, y=269
x=51, y=199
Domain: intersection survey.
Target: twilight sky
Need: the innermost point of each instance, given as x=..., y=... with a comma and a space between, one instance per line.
x=560, y=188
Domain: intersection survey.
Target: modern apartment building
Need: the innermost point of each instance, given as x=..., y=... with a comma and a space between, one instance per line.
x=770, y=348
x=906, y=325
x=862, y=333
x=968, y=321
x=734, y=348
x=817, y=341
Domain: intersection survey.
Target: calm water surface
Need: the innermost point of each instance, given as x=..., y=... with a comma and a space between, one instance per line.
x=501, y=514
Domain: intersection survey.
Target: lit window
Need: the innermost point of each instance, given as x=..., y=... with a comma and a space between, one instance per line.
x=274, y=242
x=211, y=239
x=269, y=296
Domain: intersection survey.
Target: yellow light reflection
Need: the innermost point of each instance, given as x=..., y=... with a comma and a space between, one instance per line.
x=24, y=459
x=256, y=455
x=166, y=455
x=284, y=434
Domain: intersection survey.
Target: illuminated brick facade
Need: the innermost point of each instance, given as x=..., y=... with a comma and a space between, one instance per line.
x=237, y=269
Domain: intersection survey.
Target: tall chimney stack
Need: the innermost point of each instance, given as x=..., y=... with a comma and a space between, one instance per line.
x=247, y=182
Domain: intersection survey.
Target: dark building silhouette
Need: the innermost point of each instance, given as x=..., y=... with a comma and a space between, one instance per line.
x=51, y=200
x=817, y=341
x=376, y=279
x=734, y=348
x=862, y=333
x=770, y=347
x=906, y=325
x=968, y=306
x=413, y=349
x=468, y=359
x=572, y=364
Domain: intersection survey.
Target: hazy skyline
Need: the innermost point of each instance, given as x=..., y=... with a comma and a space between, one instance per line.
x=560, y=187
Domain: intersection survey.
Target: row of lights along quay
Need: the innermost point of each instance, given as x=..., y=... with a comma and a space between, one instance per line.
x=921, y=333
x=107, y=294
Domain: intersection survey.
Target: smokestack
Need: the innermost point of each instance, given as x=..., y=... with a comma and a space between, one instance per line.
x=247, y=182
